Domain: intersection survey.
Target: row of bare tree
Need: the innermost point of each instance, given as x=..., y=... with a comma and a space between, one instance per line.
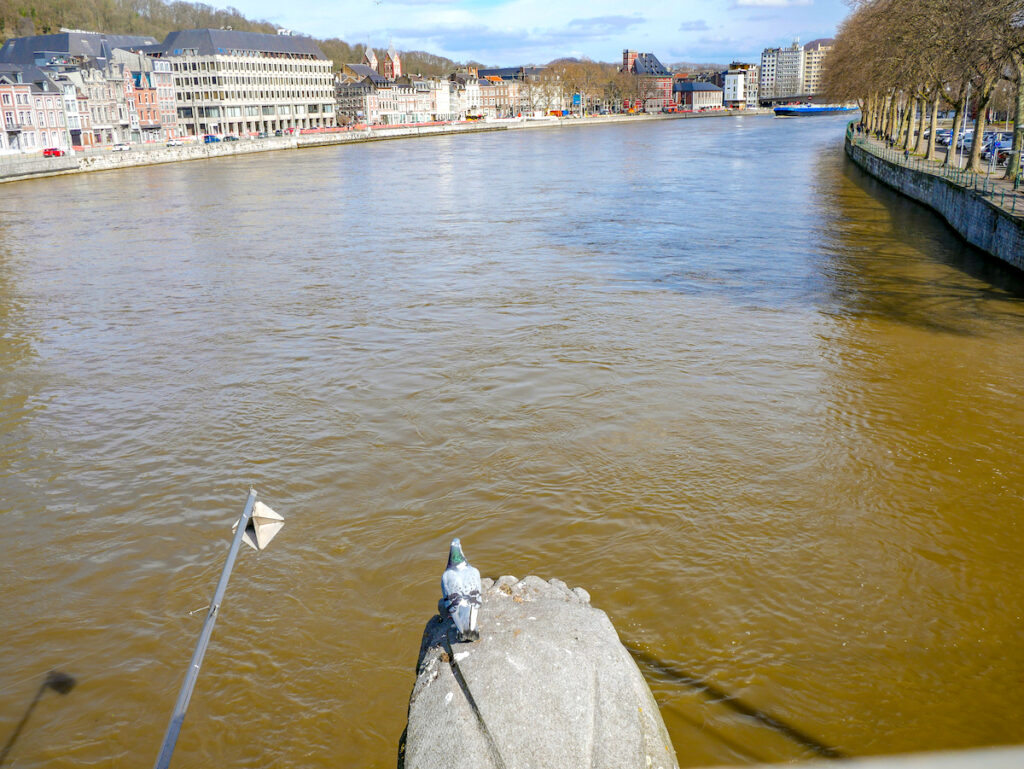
x=599, y=83
x=901, y=59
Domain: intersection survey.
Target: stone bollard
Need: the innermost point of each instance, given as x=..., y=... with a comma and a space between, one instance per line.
x=548, y=684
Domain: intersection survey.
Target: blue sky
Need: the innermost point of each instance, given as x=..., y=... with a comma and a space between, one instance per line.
x=509, y=32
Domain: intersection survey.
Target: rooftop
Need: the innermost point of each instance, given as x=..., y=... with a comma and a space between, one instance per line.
x=213, y=42
x=96, y=45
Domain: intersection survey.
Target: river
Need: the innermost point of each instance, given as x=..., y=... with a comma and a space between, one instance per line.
x=768, y=413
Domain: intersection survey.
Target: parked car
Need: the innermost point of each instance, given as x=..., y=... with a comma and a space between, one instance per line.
x=278, y=132
x=53, y=152
x=210, y=139
x=1004, y=156
x=174, y=142
x=230, y=138
x=262, y=135
x=121, y=147
x=996, y=146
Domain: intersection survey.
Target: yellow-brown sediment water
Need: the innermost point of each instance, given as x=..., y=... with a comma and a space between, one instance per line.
x=768, y=413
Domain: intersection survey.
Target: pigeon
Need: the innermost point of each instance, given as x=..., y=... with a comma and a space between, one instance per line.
x=460, y=593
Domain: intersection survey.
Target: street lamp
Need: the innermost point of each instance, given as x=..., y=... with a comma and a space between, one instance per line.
x=257, y=526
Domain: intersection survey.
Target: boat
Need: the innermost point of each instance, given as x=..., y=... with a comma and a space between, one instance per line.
x=806, y=110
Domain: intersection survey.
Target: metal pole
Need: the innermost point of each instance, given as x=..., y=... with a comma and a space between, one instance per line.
x=963, y=121
x=178, y=716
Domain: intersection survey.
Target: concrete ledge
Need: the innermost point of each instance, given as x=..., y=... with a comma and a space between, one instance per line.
x=977, y=220
x=547, y=685
x=14, y=168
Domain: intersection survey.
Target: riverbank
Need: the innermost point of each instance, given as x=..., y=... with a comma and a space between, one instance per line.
x=20, y=168
x=983, y=209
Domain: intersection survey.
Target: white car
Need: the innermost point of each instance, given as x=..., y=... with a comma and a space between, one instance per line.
x=122, y=147
x=174, y=142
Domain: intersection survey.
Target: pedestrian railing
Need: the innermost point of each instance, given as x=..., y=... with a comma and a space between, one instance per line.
x=1000, y=191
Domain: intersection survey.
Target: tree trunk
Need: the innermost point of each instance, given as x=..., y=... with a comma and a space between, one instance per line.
x=908, y=140
x=958, y=119
x=901, y=132
x=974, y=164
x=934, y=125
x=1013, y=164
x=890, y=122
x=922, y=142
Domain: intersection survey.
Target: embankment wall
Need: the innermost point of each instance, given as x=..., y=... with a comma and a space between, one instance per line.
x=977, y=220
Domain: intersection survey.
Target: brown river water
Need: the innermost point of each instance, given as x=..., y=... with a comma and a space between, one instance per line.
x=766, y=411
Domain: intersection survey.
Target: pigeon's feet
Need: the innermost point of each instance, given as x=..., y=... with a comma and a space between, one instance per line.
x=469, y=636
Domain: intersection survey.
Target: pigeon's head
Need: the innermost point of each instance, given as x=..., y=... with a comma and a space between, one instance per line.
x=455, y=555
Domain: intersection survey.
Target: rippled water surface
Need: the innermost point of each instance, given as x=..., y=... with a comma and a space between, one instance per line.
x=768, y=413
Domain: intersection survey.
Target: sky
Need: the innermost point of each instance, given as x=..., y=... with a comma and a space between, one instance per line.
x=514, y=32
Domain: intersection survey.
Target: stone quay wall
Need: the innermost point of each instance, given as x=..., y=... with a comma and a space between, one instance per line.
x=978, y=221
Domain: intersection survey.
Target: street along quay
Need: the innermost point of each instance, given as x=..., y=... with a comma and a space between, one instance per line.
x=984, y=209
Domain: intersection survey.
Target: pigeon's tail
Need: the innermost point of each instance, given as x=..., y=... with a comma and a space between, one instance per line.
x=464, y=611
x=469, y=636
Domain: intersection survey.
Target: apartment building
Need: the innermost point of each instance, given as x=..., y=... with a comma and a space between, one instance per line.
x=233, y=82
x=782, y=72
x=33, y=112
x=741, y=86
x=529, y=89
x=814, y=58
x=793, y=71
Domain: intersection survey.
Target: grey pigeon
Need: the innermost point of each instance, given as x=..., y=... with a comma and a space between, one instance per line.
x=460, y=593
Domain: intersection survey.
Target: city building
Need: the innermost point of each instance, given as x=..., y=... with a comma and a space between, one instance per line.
x=530, y=91
x=33, y=111
x=795, y=71
x=654, y=81
x=154, y=88
x=814, y=57
x=102, y=84
x=697, y=96
x=741, y=86
x=355, y=92
x=782, y=72
x=233, y=82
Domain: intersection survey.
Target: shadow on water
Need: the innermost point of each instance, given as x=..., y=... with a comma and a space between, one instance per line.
x=61, y=683
x=663, y=669
x=890, y=257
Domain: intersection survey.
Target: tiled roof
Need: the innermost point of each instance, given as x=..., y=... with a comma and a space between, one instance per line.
x=210, y=42
x=648, y=64
x=364, y=71
x=22, y=50
x=686, y=87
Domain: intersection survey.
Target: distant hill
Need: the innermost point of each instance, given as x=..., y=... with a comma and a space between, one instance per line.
x=19, y=18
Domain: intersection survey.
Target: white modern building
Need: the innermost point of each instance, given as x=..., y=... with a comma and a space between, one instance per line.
x=233, y=82
x=741, y=86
